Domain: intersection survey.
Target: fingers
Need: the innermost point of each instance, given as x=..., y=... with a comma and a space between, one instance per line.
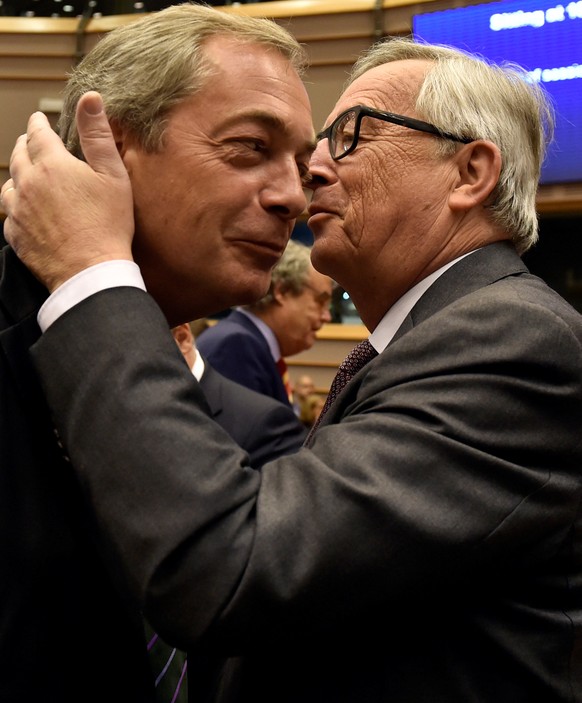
x=19, y=159
x=96, y=137
x=5, y=194
x=41, y=139
x=9, y=185
x=66, y=214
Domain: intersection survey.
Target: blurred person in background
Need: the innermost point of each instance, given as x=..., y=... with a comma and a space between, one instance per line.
x=250, y=345
x=311, y=408
x=262, y=426
x=302, y=387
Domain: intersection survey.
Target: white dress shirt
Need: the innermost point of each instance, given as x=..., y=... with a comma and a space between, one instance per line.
x=113, y=274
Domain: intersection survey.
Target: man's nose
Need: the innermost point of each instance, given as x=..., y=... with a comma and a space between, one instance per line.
x=326, y=314
x=285, y=194
x=320, y=166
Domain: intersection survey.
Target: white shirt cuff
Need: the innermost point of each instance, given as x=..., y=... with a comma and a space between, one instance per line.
x=108, y=274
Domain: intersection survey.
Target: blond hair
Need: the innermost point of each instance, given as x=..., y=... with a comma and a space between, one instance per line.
x=144, y=69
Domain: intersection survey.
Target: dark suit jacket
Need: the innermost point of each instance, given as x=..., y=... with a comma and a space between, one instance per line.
x=66, y=636
x=427, y=548
x=262, y=426
x=266, y=429
x=236, y=348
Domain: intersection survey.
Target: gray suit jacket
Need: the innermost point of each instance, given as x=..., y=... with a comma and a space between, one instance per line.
x=427, y=547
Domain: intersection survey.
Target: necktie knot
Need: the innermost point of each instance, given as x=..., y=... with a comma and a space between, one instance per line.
x=360, y=355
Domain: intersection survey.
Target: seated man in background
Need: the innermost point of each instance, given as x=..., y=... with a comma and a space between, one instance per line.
x=251, y=344
x=302, y=387
x=264, y=427
x=311, y=408
x=425, y=546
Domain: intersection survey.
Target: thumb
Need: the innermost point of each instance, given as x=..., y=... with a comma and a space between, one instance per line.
x=96, y=137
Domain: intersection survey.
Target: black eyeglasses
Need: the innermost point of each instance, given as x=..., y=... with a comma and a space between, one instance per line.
x=343, y=133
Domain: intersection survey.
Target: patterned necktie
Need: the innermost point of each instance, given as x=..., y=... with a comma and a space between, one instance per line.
x=360, y=355
x=282, y=367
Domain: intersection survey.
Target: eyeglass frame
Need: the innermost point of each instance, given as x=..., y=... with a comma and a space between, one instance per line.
x=362, y=111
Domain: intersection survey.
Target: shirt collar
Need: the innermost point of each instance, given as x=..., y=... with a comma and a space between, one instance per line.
x=198, y=367
x=389, y=324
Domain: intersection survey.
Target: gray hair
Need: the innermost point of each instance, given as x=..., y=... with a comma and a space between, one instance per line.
x=468, y=96
x=291, y=274
x=144, y=69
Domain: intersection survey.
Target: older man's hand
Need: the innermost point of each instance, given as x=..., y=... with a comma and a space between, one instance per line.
x=64, y=215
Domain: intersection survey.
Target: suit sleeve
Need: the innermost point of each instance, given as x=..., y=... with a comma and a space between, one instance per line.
x=278, y=433
x=454, y=456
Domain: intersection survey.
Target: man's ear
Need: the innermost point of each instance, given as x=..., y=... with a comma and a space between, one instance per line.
x=183, y=337
x=479, y=166
x=120, y=136
x=278, y=294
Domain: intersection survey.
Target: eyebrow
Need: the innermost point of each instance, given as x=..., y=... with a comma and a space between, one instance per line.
x=267, y=119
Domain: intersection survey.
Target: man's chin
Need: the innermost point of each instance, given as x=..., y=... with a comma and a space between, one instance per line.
x=247, y=289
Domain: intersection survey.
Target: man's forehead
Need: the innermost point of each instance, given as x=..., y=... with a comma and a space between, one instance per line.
x=390, y=86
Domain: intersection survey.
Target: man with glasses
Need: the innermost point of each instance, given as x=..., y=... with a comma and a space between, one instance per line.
x=251, y=344
x=426, y=544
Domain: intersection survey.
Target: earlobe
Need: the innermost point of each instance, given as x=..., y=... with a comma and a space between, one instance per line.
x=126, y=145
x=479, y=165
x=182, y=336
x=120, y=136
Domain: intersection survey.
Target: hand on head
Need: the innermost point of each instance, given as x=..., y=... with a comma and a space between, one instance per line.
x=37, y=225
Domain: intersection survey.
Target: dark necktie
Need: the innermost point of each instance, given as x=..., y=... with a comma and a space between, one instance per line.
x=360, y=355
x=169, y=669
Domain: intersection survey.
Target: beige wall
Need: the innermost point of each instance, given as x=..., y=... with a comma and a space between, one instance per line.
x=35, y=55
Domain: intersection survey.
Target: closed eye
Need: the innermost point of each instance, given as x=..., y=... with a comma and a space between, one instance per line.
x=255, y=145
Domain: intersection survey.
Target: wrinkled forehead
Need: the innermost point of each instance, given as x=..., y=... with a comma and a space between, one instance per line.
x=392, y=87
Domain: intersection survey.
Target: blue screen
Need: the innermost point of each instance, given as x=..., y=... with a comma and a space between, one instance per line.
x=543, y=37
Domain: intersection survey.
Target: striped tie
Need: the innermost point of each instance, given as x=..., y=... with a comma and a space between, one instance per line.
x=360, y=355
x=169, y=669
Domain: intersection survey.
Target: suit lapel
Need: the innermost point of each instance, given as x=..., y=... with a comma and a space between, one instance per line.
x=480, y=269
